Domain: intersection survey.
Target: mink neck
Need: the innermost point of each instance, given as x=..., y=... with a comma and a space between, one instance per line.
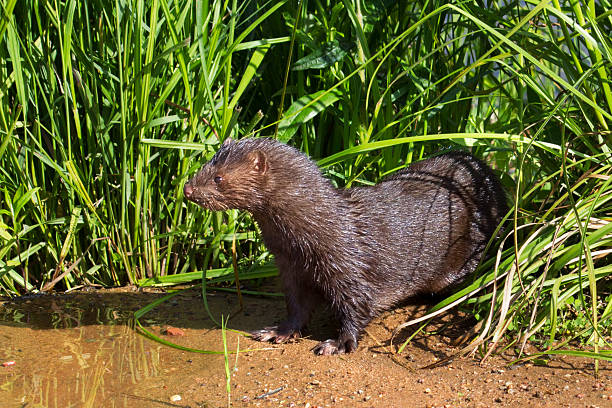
x=301, y=212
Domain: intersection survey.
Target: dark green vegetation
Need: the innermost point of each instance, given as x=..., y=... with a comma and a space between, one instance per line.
x=106, y=108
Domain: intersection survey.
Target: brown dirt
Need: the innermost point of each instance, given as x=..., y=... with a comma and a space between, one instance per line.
x=80, y=350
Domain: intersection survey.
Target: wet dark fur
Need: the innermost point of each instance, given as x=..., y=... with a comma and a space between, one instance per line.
x=360, y=250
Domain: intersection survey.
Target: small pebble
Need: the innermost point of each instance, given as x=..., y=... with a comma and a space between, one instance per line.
x=175, y=398
x=173, y=331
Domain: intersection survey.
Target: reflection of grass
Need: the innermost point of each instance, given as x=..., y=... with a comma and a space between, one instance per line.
x=86, y=366
x=107, y=108
x=91, y=389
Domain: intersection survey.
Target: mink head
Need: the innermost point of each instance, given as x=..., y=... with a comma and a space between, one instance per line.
x=233, y=179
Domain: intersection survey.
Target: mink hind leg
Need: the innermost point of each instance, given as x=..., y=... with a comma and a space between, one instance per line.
x=301, y=300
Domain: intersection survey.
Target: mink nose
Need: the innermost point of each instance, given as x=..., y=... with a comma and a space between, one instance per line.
x=188, y=190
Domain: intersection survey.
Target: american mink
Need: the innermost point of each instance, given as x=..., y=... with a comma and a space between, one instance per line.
x=360, y=250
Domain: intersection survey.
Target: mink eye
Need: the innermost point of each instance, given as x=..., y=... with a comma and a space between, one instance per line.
x=218, y=179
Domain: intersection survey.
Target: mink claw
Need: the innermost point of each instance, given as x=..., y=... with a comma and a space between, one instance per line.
x=331, y=346
x=265, y=334
x=274, y=335
x=328, y=348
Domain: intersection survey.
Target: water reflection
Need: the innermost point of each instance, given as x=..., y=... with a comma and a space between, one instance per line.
x=73, y=351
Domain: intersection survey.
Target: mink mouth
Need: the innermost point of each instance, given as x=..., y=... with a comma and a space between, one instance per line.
x=203, y=197
x=209, y=203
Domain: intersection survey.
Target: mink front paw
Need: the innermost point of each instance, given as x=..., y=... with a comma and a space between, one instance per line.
x=274, y=335
x=331, y=346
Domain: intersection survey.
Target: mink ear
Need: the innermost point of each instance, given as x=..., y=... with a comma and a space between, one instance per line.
x=259, y=161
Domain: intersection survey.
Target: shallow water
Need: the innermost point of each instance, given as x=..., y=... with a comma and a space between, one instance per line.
x=80, y=350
